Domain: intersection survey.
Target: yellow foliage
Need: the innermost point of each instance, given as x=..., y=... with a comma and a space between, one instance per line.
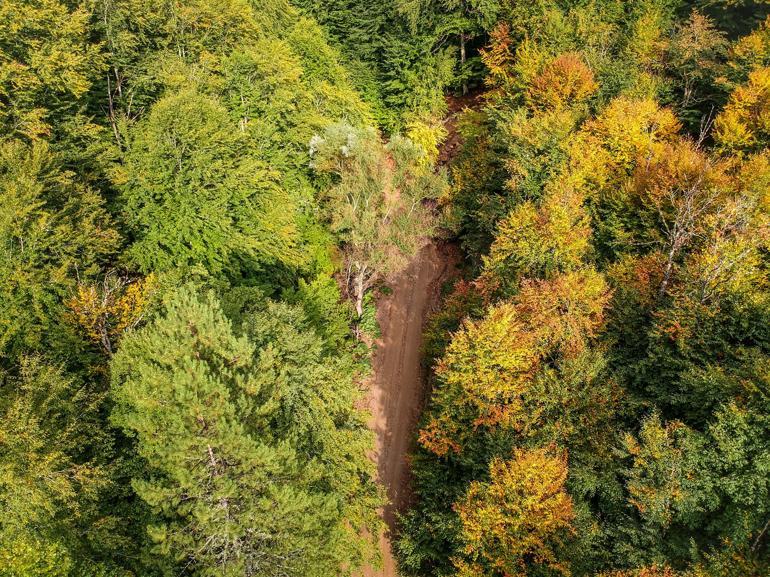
x=744, y=124
x=485, y=371
x=511, y=521
x=647, y=42
x=535, y=140
x=675, y=173
x=751, y=52
x=564, y=81
x=652, y=571
x=627, y=130
x=539, y=240
x=427, y=134
x=499, y=57
x=488, y=372
x=106, y=311
x=565, y=312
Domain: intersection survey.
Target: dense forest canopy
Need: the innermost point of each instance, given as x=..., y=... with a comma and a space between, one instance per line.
x=200, y=202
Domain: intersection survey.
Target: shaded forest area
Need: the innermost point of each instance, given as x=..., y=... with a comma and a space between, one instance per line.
x=200, y=201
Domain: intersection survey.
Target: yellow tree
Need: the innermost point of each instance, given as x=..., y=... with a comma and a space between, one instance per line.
x=483, y=378
x=744, y=124
x=488, y=376
x=539, y=241
x=511, y=522
x=106, y=310
x=564, y=81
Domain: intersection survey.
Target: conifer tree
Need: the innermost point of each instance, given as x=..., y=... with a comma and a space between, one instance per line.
x=231, y=497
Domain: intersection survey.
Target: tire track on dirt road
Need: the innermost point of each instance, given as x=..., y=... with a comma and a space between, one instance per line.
x=397, y=388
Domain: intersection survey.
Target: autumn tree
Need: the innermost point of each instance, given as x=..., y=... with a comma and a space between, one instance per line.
x=539, y=241
x=108, y=309
x=511, y=522
x=564, y=81
x=743, y=125
x=490, y=372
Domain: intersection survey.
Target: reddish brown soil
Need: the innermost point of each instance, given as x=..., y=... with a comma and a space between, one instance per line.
x=397, y=388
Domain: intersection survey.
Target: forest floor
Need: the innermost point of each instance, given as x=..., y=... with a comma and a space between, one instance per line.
x=397, y=389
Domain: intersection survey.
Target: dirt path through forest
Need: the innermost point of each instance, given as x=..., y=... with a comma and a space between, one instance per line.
x=397, y=387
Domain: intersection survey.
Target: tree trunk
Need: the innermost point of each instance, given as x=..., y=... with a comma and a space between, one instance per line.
x=359, y=289
x=462, y=62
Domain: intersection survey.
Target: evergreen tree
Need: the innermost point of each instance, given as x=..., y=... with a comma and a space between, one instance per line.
x=231, y=496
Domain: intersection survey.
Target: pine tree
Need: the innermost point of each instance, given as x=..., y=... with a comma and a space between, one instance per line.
x=230, y=496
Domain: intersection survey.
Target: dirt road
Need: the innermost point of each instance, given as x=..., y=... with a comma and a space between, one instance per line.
x=396, y=391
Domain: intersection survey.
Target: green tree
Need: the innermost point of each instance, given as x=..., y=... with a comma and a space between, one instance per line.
x=189, y=197
x=232, y=495
x=52, y=229
x=47, y=65
x=50, y=479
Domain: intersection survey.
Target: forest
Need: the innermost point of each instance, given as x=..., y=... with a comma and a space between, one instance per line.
x=203, y=203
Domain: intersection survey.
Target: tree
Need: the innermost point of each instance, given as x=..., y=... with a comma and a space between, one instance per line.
x=678, y=189
x=47, y=65
x=50, y=480
x=107, y=310
x=744, y=124
x=189, y=197
x=377, y=204
x=699, y=487
x=539, y=241
x=484, y=378
x=463, y=19
x=231, y=493
x=695, y=55
x=52, y=230
x=510, y=523
x=489, y=374
x=309, y=394
x=565, y=81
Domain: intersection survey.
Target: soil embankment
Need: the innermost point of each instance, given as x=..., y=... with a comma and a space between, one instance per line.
x=398, y=383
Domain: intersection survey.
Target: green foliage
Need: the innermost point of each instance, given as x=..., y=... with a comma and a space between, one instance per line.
x=47, y=65
x=52, y=228
x=215, y=418
x=376, y=207
x=190, y=198
x=50, y=479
